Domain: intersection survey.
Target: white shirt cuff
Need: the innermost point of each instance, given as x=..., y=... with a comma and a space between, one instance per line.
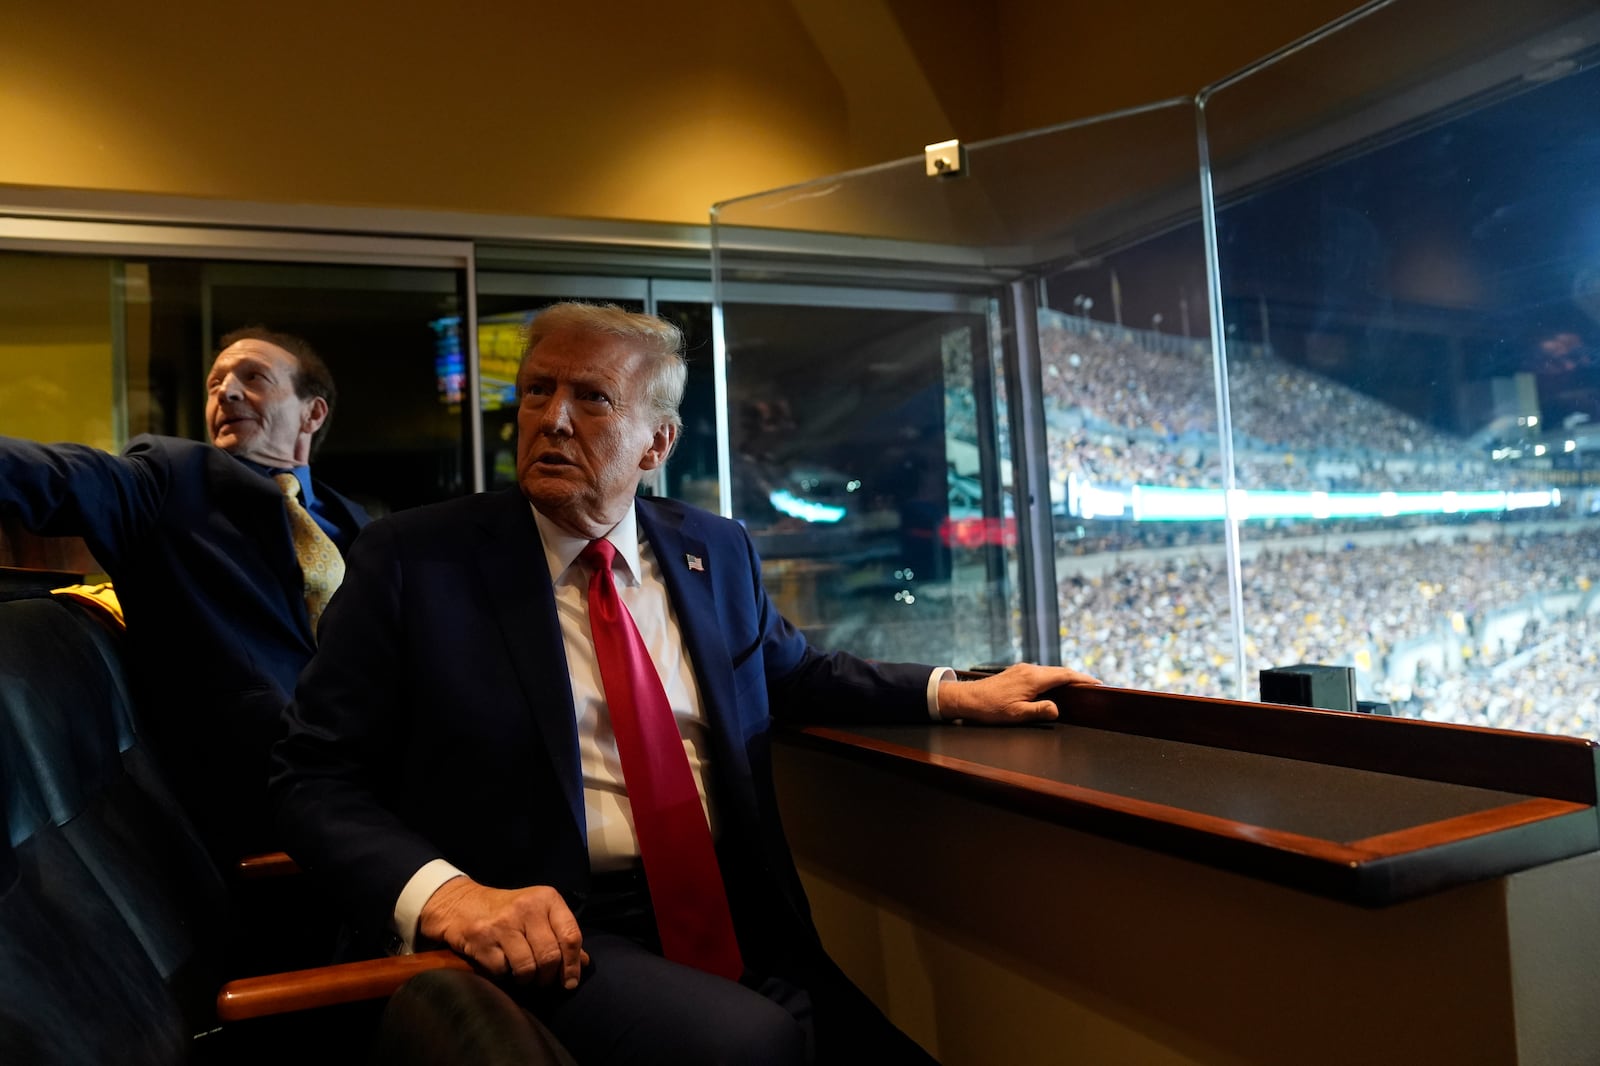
x=408, y=908
x=940, y=673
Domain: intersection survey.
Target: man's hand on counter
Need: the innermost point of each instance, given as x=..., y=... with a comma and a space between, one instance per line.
x=1009, y=697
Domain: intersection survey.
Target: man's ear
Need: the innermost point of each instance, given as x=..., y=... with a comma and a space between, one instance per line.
x=661, y=445
x=313, y=414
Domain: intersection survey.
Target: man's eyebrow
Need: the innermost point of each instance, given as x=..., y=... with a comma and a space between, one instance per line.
x=243, y=363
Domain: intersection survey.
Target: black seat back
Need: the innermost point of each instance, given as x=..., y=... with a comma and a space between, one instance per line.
x=112, y=916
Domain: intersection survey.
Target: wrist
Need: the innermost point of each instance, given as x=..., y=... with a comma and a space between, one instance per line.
x=431, y=920
x=952, y=702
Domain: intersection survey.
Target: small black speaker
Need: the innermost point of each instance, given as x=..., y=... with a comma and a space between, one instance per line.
x=1332, y=688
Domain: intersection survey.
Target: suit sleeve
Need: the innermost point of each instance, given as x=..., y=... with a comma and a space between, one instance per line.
x=335, y=766
x=73, y=490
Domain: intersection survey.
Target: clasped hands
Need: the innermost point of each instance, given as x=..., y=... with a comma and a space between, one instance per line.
x=528, y=933
x=1010, y=697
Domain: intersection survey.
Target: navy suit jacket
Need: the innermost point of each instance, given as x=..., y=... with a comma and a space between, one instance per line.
x=199, y=549
x=437, y=721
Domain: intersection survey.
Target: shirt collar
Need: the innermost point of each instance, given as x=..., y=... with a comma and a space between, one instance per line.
x=308, y=497
x=561, y=549
x=301, y=474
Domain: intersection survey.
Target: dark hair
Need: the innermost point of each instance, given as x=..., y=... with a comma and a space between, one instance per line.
x=311, y=378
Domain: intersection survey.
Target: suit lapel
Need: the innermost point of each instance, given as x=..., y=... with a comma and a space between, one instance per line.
x=517, y=587
x=345, y=513
x=687, y=568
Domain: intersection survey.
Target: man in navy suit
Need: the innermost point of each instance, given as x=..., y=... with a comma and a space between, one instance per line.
x=197, y=542
x=449, y=762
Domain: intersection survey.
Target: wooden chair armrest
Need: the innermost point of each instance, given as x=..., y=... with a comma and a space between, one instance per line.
x=326, y=986
x=271, y=864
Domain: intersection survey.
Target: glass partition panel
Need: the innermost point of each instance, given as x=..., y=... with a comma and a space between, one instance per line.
x=1408, y=249
x=1130, y=402
x=914, y=371
x=842, y=452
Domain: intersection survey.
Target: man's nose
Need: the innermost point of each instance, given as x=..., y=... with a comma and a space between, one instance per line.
x=232, y=387
x=555, y=419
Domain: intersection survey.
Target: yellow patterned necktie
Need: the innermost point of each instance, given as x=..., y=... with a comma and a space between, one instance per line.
x=321, y=565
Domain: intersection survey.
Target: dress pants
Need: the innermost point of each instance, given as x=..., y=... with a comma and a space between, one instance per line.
x=632, y=1006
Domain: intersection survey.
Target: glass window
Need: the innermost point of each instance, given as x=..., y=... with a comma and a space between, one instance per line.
x=98, y=350
x=693, y=471
x=58, y=362
x=856, y=468
x=396, y=441
x=1411, y=369
x=1130, y=402
x=1332, y=402
x=954, y=420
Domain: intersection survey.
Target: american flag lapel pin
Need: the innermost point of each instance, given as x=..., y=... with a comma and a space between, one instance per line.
x=695, y=562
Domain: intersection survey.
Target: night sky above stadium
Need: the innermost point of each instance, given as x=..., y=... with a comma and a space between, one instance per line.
x=1465, y=251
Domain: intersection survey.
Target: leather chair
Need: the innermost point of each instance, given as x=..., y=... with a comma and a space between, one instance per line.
x=114, y=921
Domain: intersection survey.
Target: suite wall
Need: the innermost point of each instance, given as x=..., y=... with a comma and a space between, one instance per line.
x=627, y=110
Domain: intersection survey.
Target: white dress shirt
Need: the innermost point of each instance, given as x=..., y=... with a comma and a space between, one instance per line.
x=612, y=842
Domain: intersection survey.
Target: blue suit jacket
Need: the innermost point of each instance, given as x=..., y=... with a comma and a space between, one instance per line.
x=437, y=721
x=198, y=546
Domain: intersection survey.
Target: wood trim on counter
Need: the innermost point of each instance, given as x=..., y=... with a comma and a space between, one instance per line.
x=1483, y=802
x=1531, y=763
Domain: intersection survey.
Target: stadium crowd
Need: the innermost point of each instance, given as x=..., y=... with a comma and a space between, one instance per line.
x=1159, y=616
x=1165, y=624
x=1123, y=414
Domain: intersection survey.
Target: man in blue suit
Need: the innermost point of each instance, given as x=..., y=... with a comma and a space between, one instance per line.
x=196, y=539
x=453, y=766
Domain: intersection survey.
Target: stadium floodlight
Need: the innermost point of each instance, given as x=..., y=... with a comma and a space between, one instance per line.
x=788, y=503
x=1159, y=503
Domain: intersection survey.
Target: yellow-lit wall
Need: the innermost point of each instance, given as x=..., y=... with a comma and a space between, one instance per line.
x=633, y=109
x=55, y=351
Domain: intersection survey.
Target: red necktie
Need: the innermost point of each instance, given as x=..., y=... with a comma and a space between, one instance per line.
x=680, y=865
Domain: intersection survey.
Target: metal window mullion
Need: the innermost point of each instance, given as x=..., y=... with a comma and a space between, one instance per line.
x=136, y=240
x=1030, y=476
x=474, y=383
x=119, y=355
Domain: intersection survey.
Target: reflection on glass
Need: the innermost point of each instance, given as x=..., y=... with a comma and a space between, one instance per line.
x=691, y=474
x=859, y=478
